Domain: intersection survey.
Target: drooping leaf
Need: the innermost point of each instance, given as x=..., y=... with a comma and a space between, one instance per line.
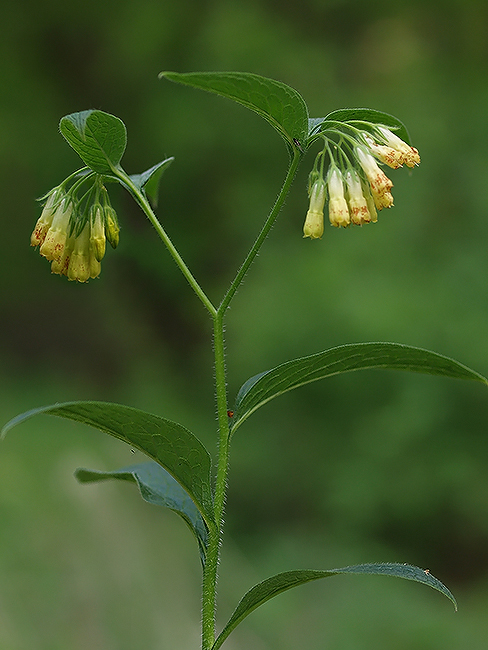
x=263, y=387
x=279, y=104
x=281, y=582
x=166, y=442
x=317, y=125
x=150, y=179
x=97, y=137
x=158, y=487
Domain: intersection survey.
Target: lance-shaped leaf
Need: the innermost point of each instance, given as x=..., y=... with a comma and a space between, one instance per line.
x=158, y=487
x=150, y=179
x=356, y=116
x=97, y=137
x=166, y=442
x=263, y=387
x=282, y=106
x=281, y=582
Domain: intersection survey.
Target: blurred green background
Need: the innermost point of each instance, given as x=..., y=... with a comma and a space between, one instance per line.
x=365, y=467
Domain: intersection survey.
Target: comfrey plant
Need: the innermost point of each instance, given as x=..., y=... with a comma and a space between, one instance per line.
x=71, y=233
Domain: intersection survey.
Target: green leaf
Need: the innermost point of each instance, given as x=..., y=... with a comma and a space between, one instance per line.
x=97, y=137
x=318, y=125
x=159, y=488
x=168, y=443
x=281, y=582
x=279, y=104
x=263, y=387
x=150, y=179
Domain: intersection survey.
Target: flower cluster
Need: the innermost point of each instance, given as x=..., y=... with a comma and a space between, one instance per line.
x=355, y=185
x=72, y=233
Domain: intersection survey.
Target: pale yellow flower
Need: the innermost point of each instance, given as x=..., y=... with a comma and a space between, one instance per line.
x=338, y=210
x=378, y=180
x=314, y=221
x=53, y=245
x=409, y=155
x=358, y=207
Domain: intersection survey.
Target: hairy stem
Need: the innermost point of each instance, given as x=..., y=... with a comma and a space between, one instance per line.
x=210, y=574
x=292, y=170
x=148, y=211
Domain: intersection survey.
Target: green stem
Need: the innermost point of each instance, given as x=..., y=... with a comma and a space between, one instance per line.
x=210, y=574
x=292, y=170
x=146, y=208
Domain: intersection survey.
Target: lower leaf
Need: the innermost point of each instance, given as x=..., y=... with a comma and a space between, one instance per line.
x=281, y=582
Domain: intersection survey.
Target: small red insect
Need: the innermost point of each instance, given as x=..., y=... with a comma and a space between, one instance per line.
x=230, y=414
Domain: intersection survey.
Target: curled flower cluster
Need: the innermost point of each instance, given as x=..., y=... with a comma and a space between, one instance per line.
x=355, y=185
x=72, y=234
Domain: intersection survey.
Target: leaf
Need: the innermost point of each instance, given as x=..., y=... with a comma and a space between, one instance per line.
x=97, y=137
x=318, y=125
x=279, y=104
x=168, y=443
x=358, y=356
x=150, y=179
x=281, y=582
x=159, y=488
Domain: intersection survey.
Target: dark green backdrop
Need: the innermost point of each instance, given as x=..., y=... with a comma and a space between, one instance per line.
x=366, y=467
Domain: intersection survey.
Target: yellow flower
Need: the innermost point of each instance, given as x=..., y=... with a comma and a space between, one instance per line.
x=378, y=180
x=54, y=242
x=79, y=267
x=45, y=220
x=358, y=206
x=338, y=210
x=391, y=157
x=407, y=154
x=314, y=222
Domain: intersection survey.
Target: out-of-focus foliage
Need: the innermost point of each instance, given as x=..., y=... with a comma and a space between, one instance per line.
x=365, y=467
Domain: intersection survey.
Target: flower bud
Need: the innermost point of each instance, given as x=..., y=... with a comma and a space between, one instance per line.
x=112, y=228
x=314, y=222
x=97, y=232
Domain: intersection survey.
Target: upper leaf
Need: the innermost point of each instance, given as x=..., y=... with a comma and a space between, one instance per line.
x=97, y=137
x=263, y=387
x=168, y=443
x=318, y=125
x=150, y=179
x=279, y=104
x=158, y=487
x=281, y=582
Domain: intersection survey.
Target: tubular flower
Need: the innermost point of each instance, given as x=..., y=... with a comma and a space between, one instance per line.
x=338, y=210
x=53, y=243
x=314, y=222
x=378, y=180
x=357, y=186
x=45, y=220
x=391, y=157
x=358, y=207
x=72, y=234
x=407, y=154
